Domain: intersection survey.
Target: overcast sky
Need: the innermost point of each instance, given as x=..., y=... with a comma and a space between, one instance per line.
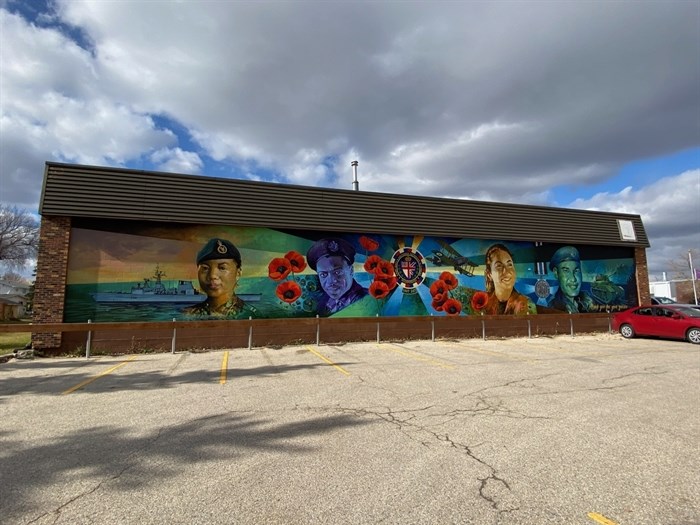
x=592, y=105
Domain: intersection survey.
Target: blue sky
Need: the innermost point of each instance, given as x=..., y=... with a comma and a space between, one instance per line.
x=588, y=105
x=646, y=171
x=637, y=173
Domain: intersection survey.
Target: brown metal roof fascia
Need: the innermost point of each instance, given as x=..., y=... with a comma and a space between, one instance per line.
x=43, y=186
x=114, y=193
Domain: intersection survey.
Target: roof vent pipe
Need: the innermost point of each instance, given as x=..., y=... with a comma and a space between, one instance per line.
x=355, y=183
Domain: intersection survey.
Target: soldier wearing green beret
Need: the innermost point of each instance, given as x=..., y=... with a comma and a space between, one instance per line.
x=218, y=271
x=566, y=265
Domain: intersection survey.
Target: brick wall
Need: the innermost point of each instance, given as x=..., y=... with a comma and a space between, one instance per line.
x=640, y=259
x=51, y=273
x=198, y=335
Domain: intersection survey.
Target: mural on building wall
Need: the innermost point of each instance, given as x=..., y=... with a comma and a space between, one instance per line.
x=165, y=272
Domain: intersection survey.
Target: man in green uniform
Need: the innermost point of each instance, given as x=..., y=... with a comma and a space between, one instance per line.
x=566, y=266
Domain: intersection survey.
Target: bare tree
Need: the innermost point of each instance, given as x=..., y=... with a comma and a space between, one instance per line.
x=14, y=277
x=19, y=236
x=680, y=266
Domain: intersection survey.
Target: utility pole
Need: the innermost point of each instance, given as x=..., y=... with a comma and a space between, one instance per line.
x=692, y=276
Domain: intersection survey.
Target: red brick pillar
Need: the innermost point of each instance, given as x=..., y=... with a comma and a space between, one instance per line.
x=642, y=275
x=51, y=275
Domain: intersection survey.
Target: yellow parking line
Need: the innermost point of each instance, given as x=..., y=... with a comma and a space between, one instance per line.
x=327, y=360
x=601, y=519
x=415, y=355
x=88, y=381
x=224, y=368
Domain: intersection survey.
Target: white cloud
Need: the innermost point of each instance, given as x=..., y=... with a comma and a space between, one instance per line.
x=175, y=160
x=500, y=101
x=52, y=109
x=670, y=211
x=33, y=59
x=227, y=146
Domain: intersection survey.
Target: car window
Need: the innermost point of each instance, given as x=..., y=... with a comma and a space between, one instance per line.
x=663, y=312
x=688, y=311
x=644, y=311
x=662, y=300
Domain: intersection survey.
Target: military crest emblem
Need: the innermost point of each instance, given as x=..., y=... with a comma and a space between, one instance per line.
x=409, y=267
x=542, y=289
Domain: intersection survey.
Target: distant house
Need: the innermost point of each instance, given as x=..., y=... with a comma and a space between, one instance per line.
x=13, y=299
x=663, y=289
x=680, y=290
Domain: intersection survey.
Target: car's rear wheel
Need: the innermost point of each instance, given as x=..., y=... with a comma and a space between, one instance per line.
x=693, y=335
x=627, y=331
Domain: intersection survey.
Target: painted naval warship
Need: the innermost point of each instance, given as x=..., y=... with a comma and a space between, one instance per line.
x=152, y=290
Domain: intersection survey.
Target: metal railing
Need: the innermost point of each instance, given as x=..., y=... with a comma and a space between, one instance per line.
x=158, y=336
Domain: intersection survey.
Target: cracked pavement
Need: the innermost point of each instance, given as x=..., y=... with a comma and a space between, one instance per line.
x=516, y=431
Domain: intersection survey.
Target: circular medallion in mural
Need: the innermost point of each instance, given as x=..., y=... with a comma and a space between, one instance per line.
x=542, y=289
x=409, y=266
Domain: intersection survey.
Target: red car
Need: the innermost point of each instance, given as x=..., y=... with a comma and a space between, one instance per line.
x=670, y=320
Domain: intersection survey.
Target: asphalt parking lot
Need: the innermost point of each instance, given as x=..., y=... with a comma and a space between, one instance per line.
x=583, y=430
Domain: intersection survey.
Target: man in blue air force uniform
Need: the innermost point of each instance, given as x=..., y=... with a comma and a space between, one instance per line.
x=333, y=260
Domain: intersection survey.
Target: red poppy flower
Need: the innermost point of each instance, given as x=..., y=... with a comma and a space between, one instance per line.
x=385, y=269
x=479, y=300
x=450, y=280
x=379, y=289
x=438, y=287
x=296, y=260
x=288, y=291
x=372, y=263
x=452, y=307
x=391, y=282
x=438, y=301
x=279, y=268
x=368, y=243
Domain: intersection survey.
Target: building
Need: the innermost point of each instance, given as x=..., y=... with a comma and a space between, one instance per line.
x=13, y=300
x=121, y=245
x=11, y=307
x=664, y=288
x=680, y=290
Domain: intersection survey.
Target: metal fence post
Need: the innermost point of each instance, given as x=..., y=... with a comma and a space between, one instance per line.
x=571, y=322
x=172, y=347
x=609, y=323
x=432, y=324
x=529, y=330
x=377, y=328
x=483, y=329
x=318, y=330
x=89, y=342
x=250, y=333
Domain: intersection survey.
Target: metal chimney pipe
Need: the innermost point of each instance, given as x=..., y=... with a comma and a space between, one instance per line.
x=355, y=183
